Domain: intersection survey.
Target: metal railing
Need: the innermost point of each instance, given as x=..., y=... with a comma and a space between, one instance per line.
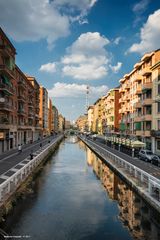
x=10, y=184
x=149, y=182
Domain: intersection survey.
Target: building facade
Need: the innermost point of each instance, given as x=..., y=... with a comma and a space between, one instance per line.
x=82, y=123
x=138, y=92
x=8, y=98
x=90, y=118
x=55, y=119
x=43, y=114
x=61, y=123
x=111, y=111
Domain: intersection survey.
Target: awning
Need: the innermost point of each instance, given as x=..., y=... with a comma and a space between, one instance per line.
x=137, y=144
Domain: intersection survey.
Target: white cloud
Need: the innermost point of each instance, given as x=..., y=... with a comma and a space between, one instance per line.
x=48, y=67
x=117, y=40
x=75, y=90
x=149, y=35
x=41, y=19
x=83, y=7
x=87, y=58
x=141, y=6
x=116, y=68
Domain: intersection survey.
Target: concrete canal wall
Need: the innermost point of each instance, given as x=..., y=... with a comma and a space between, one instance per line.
x=146, y=185
x=16, y=176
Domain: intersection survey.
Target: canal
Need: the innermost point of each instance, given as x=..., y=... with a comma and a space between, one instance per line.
x=76, y=196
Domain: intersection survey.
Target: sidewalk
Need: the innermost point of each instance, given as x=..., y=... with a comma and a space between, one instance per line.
x=15, y=150
x=10, y=160
x=146, y=167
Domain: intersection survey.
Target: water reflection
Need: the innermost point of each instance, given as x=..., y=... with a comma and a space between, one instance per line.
x=142, y=220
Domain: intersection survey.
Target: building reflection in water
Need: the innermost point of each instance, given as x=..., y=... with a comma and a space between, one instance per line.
x=141, y=219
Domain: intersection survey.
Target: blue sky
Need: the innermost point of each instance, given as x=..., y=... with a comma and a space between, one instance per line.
x=68, y=44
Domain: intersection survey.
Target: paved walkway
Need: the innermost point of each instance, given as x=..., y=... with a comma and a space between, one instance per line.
x=147, y=167
x=11, y=158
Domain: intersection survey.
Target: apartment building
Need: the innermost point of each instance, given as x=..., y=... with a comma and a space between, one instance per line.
x=33, y=102
x=111, y=108
x=67, y=124
x=90, y=118
x=96, y=121
x=50, y=117
x=137, y=99
x=82, y=123
x=61, y=123
x=55, y=119
x=155, y=133
x=8, y=99
x=43, y=113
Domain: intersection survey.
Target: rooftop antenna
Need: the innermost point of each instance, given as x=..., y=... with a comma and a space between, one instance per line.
x=87, y=99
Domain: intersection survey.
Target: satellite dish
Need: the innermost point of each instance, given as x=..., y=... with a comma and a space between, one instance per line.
x=2, y=100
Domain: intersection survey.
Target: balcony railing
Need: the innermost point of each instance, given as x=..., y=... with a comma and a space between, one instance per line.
x=147, y=86
x=146, y=71
x=21, y=98
x=7, y=71
x=6, y=88
x=138, y=78
x=21, y=111
x=147, y=101
x=5, y=107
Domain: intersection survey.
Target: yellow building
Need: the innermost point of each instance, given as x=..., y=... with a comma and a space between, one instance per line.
x=111, y=114
x=50, y=117
x=90, y=118
x=61, y=123
x=81, y=123
x=137, y=99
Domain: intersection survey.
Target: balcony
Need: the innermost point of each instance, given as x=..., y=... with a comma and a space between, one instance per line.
x=5, y=50
x=4, y=69
x=138, y=119
x=147, y=117
x=127, y=86
x=6, y=89
x=146, y=71
x=138, y=78
x=139, y=90
x=147, y=133
x=138, y=105
x=147, y=101
x=121, y=90
x=21, y=112
x=22, y=84
x=146, y=86
x=21, y=98
x=6, y=107
x=30, y=115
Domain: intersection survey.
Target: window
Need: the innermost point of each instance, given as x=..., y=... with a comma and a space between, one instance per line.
x=158, y=145
x=158, y=124
x=158, y=107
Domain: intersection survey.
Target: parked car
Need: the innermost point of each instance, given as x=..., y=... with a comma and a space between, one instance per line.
x=156, y=160
x=146, y=155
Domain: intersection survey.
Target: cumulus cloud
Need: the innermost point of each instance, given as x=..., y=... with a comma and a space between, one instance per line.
x=48, y=67
x=41, y=19
x=87, y=58
x=83, y=7
x=149, y=35
x=75, y=90
x=116, y=68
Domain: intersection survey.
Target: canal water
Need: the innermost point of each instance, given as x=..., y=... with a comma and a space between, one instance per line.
x=75, y=197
